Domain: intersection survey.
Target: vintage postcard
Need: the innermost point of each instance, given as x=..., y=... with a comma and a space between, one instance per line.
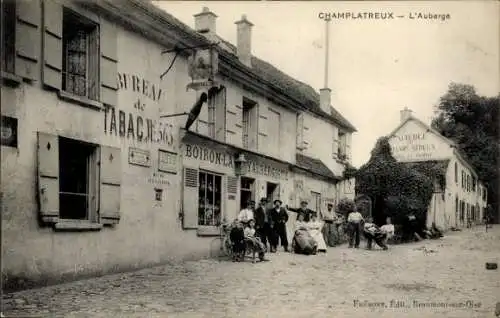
x=250, y=158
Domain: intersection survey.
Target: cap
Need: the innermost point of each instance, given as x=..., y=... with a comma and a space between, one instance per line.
x=277, y=200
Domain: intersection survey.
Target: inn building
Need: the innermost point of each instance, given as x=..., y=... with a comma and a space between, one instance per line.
x=459, y=195
x=100, y=172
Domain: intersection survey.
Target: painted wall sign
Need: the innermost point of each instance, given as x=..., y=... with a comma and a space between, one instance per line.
x=139, y=157
x=158, y=179
x=9, y=131
x=135, y=125
x=227, y=160
x=167, y=161
x=413, y=146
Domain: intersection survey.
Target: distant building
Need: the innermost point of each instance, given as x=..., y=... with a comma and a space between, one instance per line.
x=96, y=180
x=464, y=196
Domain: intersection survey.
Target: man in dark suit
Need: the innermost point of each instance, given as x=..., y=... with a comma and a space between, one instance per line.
x=279, y=217
x=304, y=210
x=263, y=223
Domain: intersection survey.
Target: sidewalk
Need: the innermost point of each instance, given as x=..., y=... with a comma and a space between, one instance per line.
x=344, y=283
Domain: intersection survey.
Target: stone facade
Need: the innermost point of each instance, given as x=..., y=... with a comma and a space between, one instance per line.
x=144, y=171
x=464, y=196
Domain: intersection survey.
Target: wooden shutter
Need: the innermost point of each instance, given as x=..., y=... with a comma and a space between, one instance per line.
x=48, y=177
x=109, y=63
x=220, y=116
x=27, y=38
x=109, y=196
x=231, y=209
x=190, y=198
x=52, y=44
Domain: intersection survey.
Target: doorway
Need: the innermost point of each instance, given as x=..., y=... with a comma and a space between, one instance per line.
x=247, y=186
x=272, y=193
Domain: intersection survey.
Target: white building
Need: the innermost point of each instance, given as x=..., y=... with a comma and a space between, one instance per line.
x=464, y=196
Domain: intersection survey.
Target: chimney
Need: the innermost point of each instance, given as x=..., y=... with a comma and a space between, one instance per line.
x=244, y=39
x=325, y=100
x=204, y=23
x=405, y=114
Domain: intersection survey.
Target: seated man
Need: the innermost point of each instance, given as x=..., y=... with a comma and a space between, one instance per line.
x=373, y=233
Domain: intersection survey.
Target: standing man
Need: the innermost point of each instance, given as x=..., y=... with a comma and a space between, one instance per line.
x=304, y=210
x=354, y=220
x=279, y=217
x=262, y=223
x=327, y=218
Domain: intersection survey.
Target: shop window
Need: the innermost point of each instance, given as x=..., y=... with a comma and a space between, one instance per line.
x=209, y=199
x=8, y=35
x=80, y=56
x=73, y=186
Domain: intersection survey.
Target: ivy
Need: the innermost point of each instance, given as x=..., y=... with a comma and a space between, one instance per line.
x=396, y=189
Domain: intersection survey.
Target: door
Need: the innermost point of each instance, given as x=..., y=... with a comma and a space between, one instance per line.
x=272, y=192
x=316, y=202
x=246, y=191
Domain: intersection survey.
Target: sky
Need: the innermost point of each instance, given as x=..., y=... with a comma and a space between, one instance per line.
x=376, y=67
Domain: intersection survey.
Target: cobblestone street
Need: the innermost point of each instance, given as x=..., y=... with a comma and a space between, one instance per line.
x=449, y=271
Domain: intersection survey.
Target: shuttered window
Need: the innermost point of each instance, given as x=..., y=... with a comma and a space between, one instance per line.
x=210, y=199
x=74, y=186
x=79, y=53
x=456, y=172
x=8, y=36
x=80, y=56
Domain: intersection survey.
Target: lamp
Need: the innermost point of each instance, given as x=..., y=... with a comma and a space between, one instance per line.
x=239, y=165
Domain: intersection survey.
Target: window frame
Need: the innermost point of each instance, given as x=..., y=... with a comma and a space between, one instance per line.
x=221, y=208
x=74, y=22
x=92, y=182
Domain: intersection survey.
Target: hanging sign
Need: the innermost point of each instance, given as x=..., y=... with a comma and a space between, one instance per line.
x=203, y=65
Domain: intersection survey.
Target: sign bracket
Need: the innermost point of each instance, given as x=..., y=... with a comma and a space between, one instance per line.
x=178, y=50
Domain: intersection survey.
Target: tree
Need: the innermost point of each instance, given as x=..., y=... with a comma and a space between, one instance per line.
x=471, y=121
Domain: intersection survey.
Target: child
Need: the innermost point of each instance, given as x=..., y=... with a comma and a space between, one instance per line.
x=374, y=233
x=249, y=233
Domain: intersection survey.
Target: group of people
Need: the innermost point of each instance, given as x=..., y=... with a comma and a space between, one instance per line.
x=356, y=225
x=261, y=225
x=313, y=233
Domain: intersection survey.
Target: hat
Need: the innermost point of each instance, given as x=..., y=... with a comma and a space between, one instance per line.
x=250, y=202
x=330, y=204
x=303, y=201
x=263, y=200
x=277, y=200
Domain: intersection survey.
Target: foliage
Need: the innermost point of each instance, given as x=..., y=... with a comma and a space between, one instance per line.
x=349, y=171
x=395, y=188
x=363, y=205
x=345, y=206
x=471, y=121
